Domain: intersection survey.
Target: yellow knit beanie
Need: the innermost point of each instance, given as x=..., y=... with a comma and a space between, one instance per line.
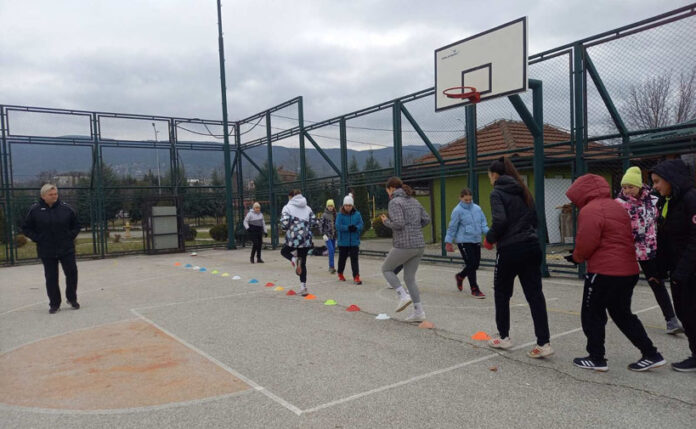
x=330, y=203
x=633, y=177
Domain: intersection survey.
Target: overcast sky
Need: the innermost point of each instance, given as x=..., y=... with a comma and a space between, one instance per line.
x=161, y=56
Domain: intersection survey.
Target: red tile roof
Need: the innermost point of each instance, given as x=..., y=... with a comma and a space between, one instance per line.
x=505, y=135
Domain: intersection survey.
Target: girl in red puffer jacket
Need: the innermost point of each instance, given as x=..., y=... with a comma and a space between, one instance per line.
x=605, y=241
x=641, y=205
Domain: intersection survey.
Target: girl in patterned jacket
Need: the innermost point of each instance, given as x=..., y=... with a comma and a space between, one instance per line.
x=297, y=220
x=641, y=206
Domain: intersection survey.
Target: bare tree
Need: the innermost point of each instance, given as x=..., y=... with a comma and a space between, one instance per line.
x=655, y=103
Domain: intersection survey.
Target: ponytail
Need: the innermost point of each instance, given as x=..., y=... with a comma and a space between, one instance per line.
x=503, y=166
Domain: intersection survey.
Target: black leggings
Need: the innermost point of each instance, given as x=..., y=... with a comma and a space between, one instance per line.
x=658, y=287
x=524, y=263
x=685, y=303
x=471, y=253
x=343, y=253
x=256, y=237
x=286, y=251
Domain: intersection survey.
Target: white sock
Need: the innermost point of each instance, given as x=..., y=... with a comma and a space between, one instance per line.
x=303, y=285
x=402, y=292
x=417, y=307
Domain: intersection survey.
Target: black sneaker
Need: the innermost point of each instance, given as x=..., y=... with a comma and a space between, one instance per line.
x=687, y=365
x=260, y=261
x=589, y=363
x=646, y=363
x=53, y=310
x=460, y=281
x=74, y=305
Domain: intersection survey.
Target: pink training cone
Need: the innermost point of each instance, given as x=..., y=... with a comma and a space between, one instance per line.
x=353, y=307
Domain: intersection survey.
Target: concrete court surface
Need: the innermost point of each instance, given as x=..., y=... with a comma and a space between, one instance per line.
x=159, y=345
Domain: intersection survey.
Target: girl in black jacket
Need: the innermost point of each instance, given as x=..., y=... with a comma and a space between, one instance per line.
x=519, y=255
x=676, y=245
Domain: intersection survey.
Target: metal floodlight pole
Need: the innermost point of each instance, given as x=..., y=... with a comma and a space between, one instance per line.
x=225, y=132
x=159, y=184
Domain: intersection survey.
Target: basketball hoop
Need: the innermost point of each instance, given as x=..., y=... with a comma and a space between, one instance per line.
x=462, y=92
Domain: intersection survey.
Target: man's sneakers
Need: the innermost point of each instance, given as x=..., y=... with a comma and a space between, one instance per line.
x=303, y=290
x=356, y=280
x=673, y=326
x=646, y=363
x=540, y=351
x=53, y=310
x=476, y=293
x=404, y=302
x=416, y=316
x=500, y=343
x=460, y=281
x=589, y=363
x=687, y=365
x=341, y=278
x=74, y=304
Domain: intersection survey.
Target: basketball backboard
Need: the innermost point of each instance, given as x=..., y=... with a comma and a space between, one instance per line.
x=494, y=62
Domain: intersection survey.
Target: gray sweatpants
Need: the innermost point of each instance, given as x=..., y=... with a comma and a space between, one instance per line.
x=409, y=258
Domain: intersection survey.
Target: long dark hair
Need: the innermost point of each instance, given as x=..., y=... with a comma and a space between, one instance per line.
x=396, y=183
x=503, y=166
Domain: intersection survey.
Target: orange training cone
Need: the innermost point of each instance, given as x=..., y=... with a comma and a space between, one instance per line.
x=177, y=264
x=353, y=307
x=310, y=296
x=480, y=336
x=426, y=325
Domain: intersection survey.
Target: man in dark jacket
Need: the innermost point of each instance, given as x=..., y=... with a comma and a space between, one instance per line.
x=53, y=226
x=676, y=244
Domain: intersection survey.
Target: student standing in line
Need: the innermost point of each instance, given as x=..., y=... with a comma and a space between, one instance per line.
x=406, y=219
x=328, y=229
x=676, y=245
x=256, y=228
x=604, y=239
x=641, y=206
x=349, y=225
x=467, y=225
x=297, y=220
x=514, y=231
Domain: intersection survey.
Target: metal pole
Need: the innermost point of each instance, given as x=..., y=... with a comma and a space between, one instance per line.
x=344, y=156
x=9, y=221
x=225, y=132
x=539, y=191
x=271, y=194
x=471, y=150
x=159, y=184
x=303, y=160
x=579, y=132
x=396, y=123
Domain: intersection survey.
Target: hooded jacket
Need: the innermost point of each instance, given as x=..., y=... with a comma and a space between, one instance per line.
x=604, y=238
x=643, y=214
x=676, y=233
x=346, y=238
x=407, y=217
x=513, y=221
x=467, y=224
x=297, y=220
x=328, y=224
x=53, y=229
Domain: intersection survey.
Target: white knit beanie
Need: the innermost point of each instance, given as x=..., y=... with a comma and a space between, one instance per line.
x=348, y=200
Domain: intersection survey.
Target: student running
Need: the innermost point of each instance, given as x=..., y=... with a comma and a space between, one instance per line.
x=467, y=225
x=406, y=219
x=297, y=220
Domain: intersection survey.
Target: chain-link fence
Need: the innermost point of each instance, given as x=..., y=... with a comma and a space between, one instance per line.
x=621, y=98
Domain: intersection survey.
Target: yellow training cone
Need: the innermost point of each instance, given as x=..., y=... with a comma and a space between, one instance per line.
x=279, y=288
x=225, y=275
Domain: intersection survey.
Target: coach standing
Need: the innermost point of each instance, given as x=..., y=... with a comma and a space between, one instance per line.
x=52, y=224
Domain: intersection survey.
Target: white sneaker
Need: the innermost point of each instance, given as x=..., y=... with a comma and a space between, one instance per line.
x=416, y=317
x=500, y=343
x=403, y=303
x=540, y=351
x=293, y=261
x=303, y=291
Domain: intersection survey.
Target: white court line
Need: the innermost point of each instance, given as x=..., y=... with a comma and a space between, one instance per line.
x=247, y=380
x=438, y=372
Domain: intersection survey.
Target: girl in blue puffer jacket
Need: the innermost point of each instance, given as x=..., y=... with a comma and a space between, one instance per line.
x=349, y=226
x=467, y=225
